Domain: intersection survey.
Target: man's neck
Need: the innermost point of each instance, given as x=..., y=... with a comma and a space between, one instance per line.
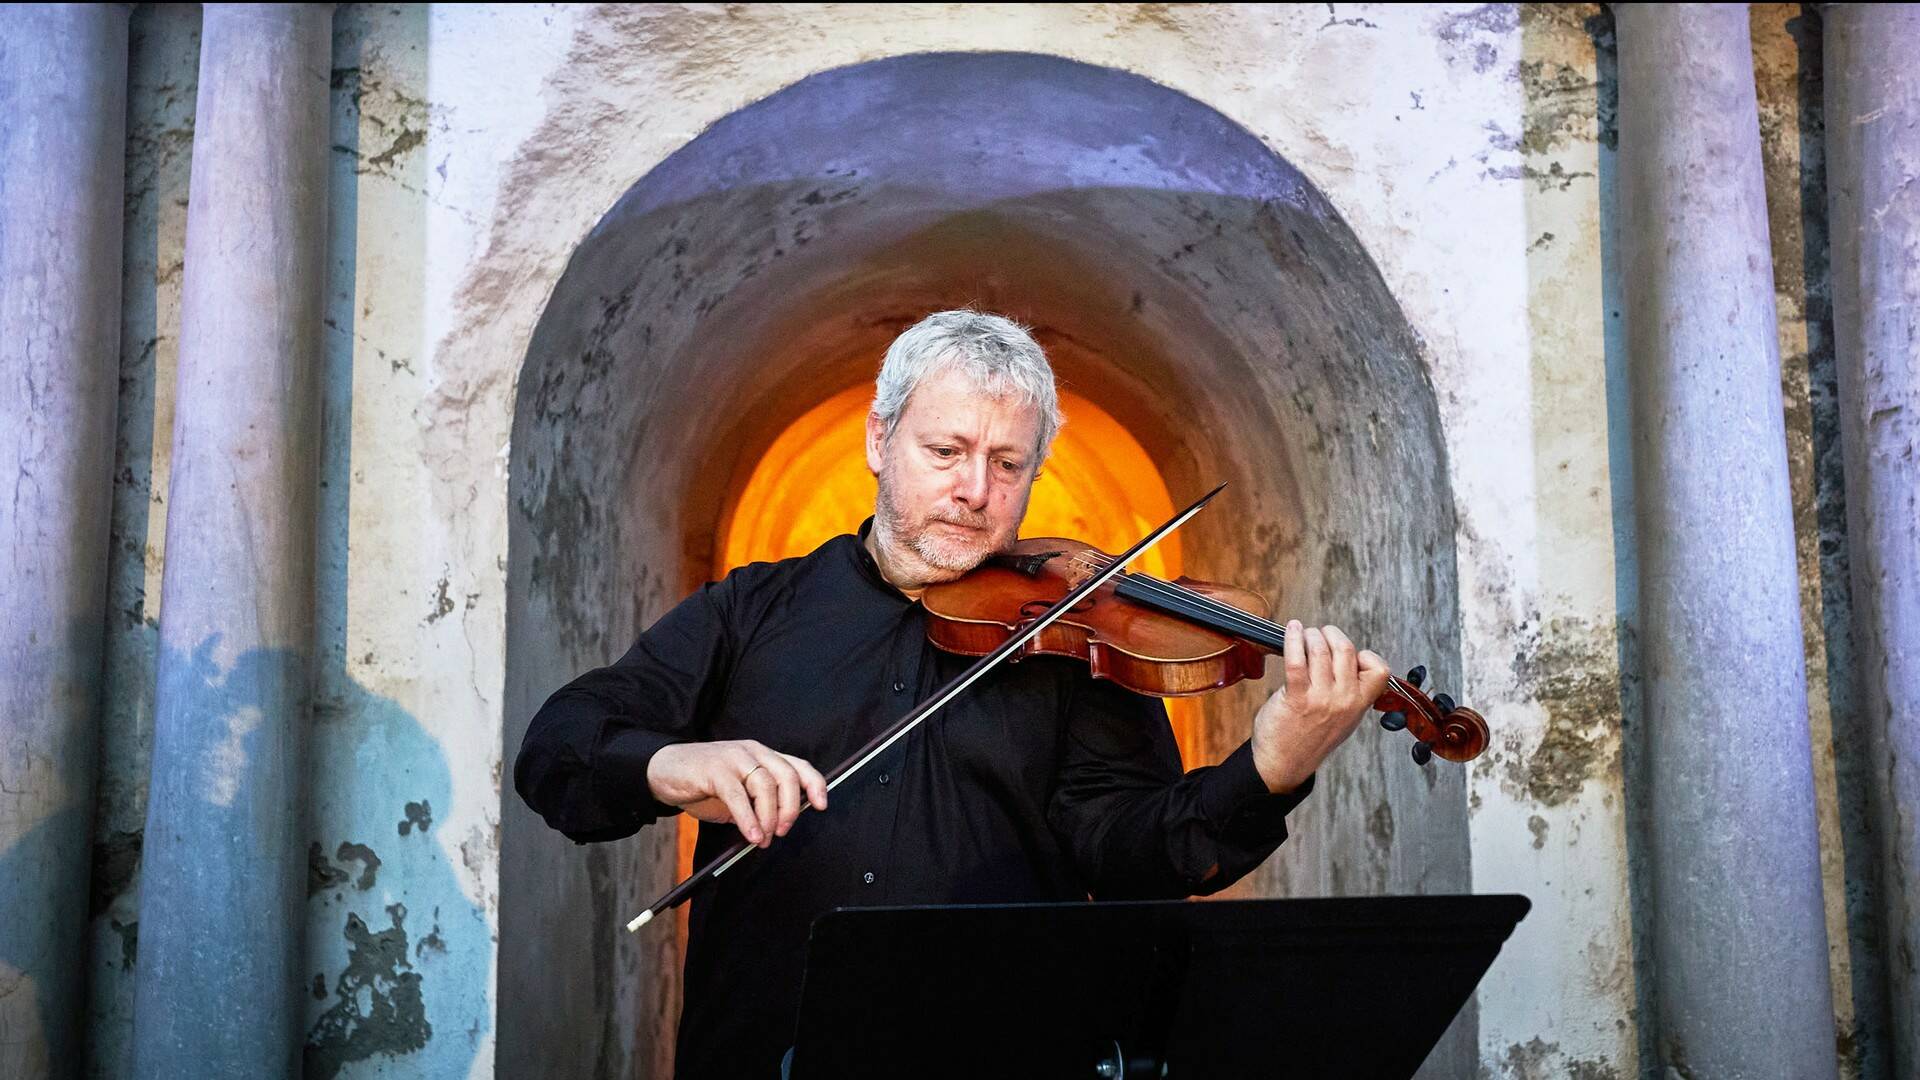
x=889, y=570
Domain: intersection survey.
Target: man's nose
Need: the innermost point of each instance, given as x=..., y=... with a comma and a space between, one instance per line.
x=970, y=485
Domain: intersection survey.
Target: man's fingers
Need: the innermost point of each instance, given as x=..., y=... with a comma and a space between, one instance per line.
x=811, y=780
x=1294, y=653
x=1374, y=674
x=1319, y=659
x=765, y=790
x=740, y=808
x=787, y=788
x=1341, y=648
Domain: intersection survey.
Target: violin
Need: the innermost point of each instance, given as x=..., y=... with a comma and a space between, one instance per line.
x=1178, y=638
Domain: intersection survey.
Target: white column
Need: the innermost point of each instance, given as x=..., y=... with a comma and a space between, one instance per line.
x=222, y=912
x=1740, y=982
x=1872, y=69
x=63, y=96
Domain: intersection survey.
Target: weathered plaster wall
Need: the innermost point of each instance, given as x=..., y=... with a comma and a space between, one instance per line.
x=1468, y=148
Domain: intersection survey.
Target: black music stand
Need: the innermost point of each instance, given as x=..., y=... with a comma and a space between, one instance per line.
x=1248, y=988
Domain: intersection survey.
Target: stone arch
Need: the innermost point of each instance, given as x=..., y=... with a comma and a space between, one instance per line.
x=1179, y=272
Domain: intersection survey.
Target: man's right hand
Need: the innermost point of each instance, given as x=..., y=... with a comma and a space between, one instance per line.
x=740, y=782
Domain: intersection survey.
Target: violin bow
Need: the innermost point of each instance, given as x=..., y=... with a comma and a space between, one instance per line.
x=721, y=863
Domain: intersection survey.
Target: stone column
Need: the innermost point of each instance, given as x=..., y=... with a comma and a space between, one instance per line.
x=1739, y=946
x=1872, y=69
x=63, y=93
x=222, y=912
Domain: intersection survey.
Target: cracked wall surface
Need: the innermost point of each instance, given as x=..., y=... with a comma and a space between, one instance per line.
x=476, y=148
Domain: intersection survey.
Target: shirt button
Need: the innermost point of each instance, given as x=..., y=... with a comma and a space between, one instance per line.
x=869, y=877
x=898, y=686
x=886, y=778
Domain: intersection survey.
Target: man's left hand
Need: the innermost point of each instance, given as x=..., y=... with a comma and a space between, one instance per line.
x=1329, y=686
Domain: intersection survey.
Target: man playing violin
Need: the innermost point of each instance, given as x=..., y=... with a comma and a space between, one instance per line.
x=1040, y=783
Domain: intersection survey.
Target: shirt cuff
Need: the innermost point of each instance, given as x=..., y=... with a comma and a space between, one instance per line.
x=620, y=776
x=1234, y=795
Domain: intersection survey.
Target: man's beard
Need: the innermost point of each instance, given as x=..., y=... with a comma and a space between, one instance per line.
x=949, y=554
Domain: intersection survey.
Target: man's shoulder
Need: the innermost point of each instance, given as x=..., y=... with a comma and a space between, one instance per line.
x=751, y=588
x=832, y=556
x=753, y=596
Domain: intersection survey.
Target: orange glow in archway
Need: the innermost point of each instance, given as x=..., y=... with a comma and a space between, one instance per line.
x=812, y=484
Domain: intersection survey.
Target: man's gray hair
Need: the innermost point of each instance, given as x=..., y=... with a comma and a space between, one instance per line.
x=998, y=354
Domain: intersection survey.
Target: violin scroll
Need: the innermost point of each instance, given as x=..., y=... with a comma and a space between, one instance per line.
x=1440, y=727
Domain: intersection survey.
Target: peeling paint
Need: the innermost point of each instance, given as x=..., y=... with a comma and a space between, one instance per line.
x=1537, y=1059
x=1571, y=668
x=1562, y=91
x=321, y=873
x=1473, y=38
x=377, y=1006
x=433, y=941
x=442, y=603
x=369, y=862
x=419, y=816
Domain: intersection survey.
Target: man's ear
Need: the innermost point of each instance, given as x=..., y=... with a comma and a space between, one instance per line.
x=876, y=442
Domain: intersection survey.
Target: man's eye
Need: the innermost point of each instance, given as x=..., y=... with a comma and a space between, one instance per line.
x=945, y=451
x=1009, y=466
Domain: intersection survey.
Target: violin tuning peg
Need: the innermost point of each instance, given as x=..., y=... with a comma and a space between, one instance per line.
x=1417, y=676
x=1393, y=721
x=1422, y=753
x=1443, y=702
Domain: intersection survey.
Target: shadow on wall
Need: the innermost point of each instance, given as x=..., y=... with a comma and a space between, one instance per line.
x=408, y=954
x=1183, y=277
x=399, y=954
x=34, y=981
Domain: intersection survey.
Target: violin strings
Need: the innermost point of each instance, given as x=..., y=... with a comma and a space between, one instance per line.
x=1207, y=605
x=1087, y=560
x=1224, y=616
x=1244, y=619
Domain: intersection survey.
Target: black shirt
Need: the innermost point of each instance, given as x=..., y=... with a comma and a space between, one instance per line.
x=1038, y=783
